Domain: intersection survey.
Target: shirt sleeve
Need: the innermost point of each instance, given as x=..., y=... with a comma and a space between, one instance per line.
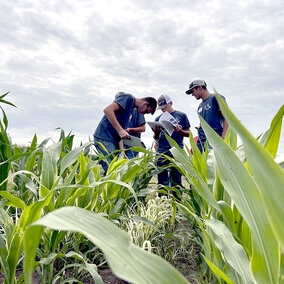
x=141, y=119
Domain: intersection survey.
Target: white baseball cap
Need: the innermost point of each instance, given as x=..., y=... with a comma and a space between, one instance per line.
x=163, y=101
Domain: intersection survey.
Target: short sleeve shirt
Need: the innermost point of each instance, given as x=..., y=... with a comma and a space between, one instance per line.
x=210, y=111
x=136, y=119
x=182, y=119
x=105, y=130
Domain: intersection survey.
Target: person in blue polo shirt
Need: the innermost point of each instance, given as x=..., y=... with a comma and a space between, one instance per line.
x=163, y=147
x=135, y=127
x=112, y=127
x=208, y=109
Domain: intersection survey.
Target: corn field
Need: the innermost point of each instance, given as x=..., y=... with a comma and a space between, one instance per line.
x=59, y=212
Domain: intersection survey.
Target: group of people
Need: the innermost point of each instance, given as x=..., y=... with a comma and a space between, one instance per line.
x=125, y=117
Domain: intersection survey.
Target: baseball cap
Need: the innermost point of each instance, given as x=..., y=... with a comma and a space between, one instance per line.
x=163, y=101
x=195, y=83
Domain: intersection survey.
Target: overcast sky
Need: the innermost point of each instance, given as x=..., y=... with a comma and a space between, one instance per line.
x=64, y=61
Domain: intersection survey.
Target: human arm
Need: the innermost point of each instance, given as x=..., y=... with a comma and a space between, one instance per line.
x=138, y=129
x=225, y=128
x=110, y=114
x=183, y=132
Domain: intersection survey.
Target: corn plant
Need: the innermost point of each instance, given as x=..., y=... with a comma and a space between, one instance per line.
x=243, y=207
x=5, y=145
x=127, y=261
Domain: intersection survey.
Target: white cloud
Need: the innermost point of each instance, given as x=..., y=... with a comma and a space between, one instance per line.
x=63, y=62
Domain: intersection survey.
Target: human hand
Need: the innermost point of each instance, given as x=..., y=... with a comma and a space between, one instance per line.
x=124, y=134
x=157, y=129
x=178, y=128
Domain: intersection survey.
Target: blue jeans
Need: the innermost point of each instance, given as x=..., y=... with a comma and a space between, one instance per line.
x=170, y=176
x=110, y=148
x=130, y=153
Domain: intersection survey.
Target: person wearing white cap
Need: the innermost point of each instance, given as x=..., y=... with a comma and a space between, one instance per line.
x=163, y=147
x=209, y=110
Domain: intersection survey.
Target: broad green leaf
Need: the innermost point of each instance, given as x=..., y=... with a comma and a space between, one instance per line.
x=14, y=252
x=268, y=174
x=7, y=224
x=193, y=176
x=31, y=242
x=245, y=193
x=48, y=171
x=218, y=271
x=71, y=157
x=274, y=134
x=13, y=200
x=227, y=213
x=126, y=260
x=233, y=252
x=11, y=176
x=3, y=258
x=115, y=164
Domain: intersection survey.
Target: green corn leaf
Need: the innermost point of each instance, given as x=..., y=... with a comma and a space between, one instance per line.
x=71, y=157
x=13, y=201
x=5, y=119
x=7, y=224
x=32, y=237
x=11, y=176
x=47, y=174
x=218, y=271
x=3, y=258
x=227, y=213
x=4, y=101
x=91, y=268
x=233, y=252
x=273, y=139
x=14, y=252
x=245, y=193
x=126, y=260
x=268, y=174
x=193, y=176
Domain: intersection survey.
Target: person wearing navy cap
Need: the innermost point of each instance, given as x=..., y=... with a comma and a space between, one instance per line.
x=209, y=110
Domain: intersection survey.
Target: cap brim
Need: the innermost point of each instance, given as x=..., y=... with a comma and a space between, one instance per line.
x=188, y=92
x=161, y=107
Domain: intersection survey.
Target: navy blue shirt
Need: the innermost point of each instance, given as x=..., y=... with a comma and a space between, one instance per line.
x=136, y=119
x=210, y=111
x=177, y=136
x=105, y=130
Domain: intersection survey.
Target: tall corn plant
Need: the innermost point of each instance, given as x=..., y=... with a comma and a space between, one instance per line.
x=254, y=190
x=247, y=216
x=5, y=145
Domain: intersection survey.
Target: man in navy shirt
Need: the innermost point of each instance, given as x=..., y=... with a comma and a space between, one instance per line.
x=112, y=127
x=136, y=125
x=209, y=109
x=163, y=147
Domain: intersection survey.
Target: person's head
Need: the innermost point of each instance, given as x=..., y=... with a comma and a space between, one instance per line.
x=197, y=88
x=146, y=105
x=164, y=103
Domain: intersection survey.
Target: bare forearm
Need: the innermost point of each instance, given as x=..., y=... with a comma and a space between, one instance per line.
x=110, y=114
x=138, y=129
x=185, y=132
x=225, y=128
x=112, y=119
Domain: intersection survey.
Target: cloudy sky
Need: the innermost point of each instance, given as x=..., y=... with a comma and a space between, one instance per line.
x=63, y=61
